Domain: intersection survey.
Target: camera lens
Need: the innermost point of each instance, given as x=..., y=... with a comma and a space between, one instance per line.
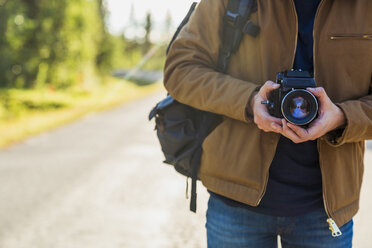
x=299, y=107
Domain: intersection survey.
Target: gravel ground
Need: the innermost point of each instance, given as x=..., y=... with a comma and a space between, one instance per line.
x=100, y=183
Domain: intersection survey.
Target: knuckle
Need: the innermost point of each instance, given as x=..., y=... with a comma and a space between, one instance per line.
x=266, y=85
x=314, y=138
x=297, y=140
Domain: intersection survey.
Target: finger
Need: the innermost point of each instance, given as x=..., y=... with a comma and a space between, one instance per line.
x=267, y=87
x=300, y=132
x=265, y=123
x=324, y=101
x=276, y=127
x=262, y=114
x=287, y=132
x=320, y=93
x=269, y=119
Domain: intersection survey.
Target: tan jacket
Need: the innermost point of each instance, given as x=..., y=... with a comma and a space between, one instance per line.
x=237, y=155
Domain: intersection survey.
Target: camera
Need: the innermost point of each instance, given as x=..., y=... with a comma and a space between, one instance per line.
x=291, y=100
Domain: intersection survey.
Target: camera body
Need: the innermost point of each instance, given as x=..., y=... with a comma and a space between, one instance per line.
x=291, y=100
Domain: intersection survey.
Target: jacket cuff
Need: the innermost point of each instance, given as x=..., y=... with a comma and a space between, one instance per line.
x=339, y=136
x=249, y=117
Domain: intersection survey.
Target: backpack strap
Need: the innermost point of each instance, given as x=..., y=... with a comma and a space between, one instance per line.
x=194, y=177
x=209, y=120
x=234, y=23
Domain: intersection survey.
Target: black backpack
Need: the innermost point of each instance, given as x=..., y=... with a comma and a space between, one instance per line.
x=181, y=129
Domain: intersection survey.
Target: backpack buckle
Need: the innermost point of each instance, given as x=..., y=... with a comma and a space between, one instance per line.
x=233, y=19
x=251, y=29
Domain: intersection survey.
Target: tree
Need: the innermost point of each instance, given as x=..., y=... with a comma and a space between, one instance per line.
x=148, y=28
x=132, y=26
x=3, y=21
x=49, y=41
x=168, y=25
x=104, y=59
x=4, y=52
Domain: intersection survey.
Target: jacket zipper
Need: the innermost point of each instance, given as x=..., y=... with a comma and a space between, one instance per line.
x=352, y=37
x=294, y=55
x=332, y=224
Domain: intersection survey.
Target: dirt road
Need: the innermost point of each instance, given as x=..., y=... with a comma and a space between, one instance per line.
x=100, y=183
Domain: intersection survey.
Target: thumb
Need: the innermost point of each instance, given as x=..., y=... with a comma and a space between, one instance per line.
x=320, y=93
x=267, y=87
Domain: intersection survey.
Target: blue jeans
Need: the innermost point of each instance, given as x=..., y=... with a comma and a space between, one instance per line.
x=232, y=227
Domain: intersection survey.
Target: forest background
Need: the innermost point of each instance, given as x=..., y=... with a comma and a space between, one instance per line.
x=57, y=58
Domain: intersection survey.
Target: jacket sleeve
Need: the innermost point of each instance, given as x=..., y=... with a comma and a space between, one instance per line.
x=358, y=115
x=189, y=74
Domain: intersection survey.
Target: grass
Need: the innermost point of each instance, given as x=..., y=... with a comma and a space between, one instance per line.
x=28, y=112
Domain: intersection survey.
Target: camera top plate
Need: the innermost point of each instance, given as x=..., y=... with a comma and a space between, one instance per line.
x=296, y=79
x=297, y=74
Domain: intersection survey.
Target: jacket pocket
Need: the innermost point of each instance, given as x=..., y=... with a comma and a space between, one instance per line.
x=238, y=152
x=351, y=37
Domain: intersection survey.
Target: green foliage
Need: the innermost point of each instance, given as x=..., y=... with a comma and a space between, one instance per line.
x=16, y=102
x=63, y=43
x=157, y=60
x=49, y=42
x=129, y=53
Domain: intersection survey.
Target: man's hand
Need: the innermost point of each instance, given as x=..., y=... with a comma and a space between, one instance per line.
x=329, y=118
x=262, y=117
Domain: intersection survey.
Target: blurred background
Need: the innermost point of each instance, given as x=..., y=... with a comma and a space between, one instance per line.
x=56, y=55
x=80, y=165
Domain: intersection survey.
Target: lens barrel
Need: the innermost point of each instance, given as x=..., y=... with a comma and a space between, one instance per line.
x=299, y=107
